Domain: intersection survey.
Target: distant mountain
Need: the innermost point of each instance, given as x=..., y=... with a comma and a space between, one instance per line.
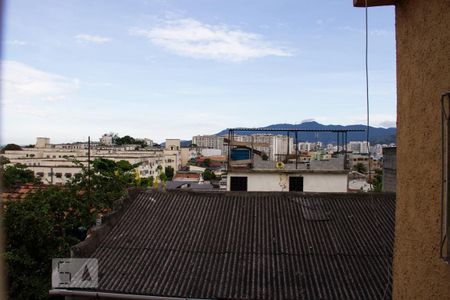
x=183, y=143
x=377, y=135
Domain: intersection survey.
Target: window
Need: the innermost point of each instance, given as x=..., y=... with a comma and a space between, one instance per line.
x=68, y=175
x=238, y=184
x=445, y=192
x=58, y=175
x=296, y=184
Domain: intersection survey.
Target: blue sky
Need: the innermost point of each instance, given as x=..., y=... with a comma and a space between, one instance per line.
x=173, y=69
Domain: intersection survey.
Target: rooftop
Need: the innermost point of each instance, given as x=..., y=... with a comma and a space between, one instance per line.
x=20, y=192
x=249, y=246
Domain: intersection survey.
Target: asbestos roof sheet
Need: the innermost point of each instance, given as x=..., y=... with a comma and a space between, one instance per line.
x=251, y=246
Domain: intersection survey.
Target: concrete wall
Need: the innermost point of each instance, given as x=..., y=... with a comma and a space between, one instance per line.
x=423, y=74
x=279, y=182
x=211, y=152
x=390, y=169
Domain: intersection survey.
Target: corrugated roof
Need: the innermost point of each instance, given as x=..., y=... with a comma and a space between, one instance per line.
x=251, y=246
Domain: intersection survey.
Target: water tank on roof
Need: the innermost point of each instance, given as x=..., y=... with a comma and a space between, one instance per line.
x=240, y=154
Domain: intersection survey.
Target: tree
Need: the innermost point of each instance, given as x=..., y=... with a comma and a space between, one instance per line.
x=377, y=182
x=10, y=147
x=265, y=156
x=129, y=140
x=169, y=172
x=37, y=229
x=50, y=221
x=206, y=162
x=147, y=182
x=360, y=167
x=17, y=175
x=208, y=175
x=163, y=177
x=3, y=161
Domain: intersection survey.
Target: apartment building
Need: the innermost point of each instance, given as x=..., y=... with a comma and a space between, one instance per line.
x=56, y=163
x=172, y=153
x=358, y=147
x=210, y=142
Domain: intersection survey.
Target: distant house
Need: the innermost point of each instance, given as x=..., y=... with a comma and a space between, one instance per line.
x=248, y=171
x=210, y=245
x=187, y=176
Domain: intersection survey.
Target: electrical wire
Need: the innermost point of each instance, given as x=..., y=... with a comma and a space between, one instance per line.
x=388, y=263
x=367, y=93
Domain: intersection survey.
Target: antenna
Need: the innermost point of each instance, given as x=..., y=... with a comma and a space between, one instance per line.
x=89, y=170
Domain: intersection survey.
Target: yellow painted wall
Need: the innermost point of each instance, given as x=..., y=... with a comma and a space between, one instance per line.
x=423, y=74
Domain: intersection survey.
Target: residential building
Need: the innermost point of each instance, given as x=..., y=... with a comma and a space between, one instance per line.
x=210, y=152
x=187, y=154
x=42, y=142
x=172, y=154
x=54, y=164
x=210, y=142
x=332, y=181
x=106, y=140
x=248, y=171
x=359, y=147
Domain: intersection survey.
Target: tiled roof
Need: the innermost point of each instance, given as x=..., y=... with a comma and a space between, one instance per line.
x=20, y=192
x=187, y=175
x=251, y=246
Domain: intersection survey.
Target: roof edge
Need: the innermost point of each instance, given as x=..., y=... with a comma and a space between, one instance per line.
x=107, y=295
x=88, y=246
x=362, y=3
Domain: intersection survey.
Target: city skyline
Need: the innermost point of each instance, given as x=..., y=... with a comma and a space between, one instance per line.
x=159, y=69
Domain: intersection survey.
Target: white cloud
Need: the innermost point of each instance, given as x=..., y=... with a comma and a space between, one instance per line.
x=388, y=124
x=188, y=37
x=96, y=39
x=376, y=120
x=16, y=43
x=27, y=87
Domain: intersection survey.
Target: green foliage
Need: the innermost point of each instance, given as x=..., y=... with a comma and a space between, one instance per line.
x=10, y=147
x=3, y=161
x=208, y=175
x=106, y=182
x=17, y=175
x=377, y=182
x=169, y=172
x=360, y=167
x=206, y=162
x=147, y=182
x=38, y=229
x=128, y=140
x=163, y=177
x=46, y=224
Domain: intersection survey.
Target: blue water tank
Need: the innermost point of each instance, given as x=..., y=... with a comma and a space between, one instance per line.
x=240, y=154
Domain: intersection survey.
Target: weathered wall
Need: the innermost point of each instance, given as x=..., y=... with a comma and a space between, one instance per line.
x=423, y=73
x=390, y=169
x=279, y=182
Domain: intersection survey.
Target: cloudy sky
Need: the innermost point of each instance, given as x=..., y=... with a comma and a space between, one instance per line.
x=172, y=69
